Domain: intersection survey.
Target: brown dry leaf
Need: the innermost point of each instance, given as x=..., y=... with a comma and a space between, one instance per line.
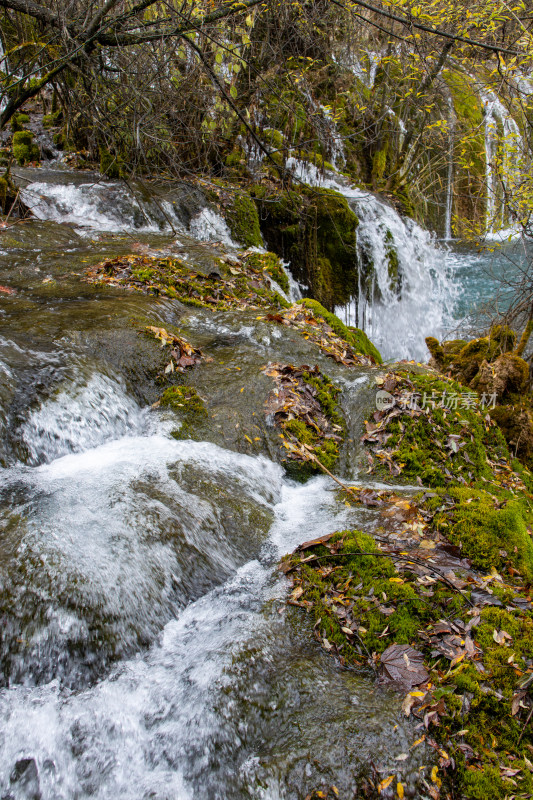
x=502, y=637
x=403, y=665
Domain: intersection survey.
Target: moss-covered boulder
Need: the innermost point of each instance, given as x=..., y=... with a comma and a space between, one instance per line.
x=187, y=404
x=314, y=230
x=53, y=120
x=24, y=150
x=492, y=532
x=507, y=375
x=110, y=165
x=243, y=220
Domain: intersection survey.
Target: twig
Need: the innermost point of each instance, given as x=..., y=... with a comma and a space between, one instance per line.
x=525, y=726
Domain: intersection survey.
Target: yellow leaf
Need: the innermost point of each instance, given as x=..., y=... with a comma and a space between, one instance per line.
x=418, y=741
x=396, y=580
x=385, y=783
x=434, y=773
x=248, y=439
x=399, y=789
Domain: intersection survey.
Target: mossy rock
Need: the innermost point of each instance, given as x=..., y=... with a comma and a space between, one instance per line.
x=188, y=405
x=270, y=263
x=504, y=378
x=18, y=121
x=24, y=150
x=504, y=336
x=243, y=221
x=491, y=534
x=420, y=442
x=315, y=231
x=326, y=450
x=355, y=337
x=110, y=165
x=53, y=120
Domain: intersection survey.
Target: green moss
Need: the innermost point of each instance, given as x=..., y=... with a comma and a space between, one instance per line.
x=18, y=121
x=24, y=150
x=53, y=120
x=325, y=449
x=393, y=263
x=110, y=165
x=270, y=263
x=188, y=405
x=243, y=221
x=355, y=337
x=491, y=532
x=346, y=586
x=314, y=230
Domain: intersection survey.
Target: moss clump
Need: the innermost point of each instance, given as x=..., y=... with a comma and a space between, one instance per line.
x=243, y=221
x=311, y=417
x=492, y=531
x=110, y=165
x=18, y=121
x=241, y=286
x=188, y=405
x=270, y=263
x=314, y=230
x=185, y=400
x=53, y=120
x=355, y=337
x=440, y=439
x=24, y=150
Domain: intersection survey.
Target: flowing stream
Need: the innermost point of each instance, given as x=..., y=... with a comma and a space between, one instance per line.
x=147, y=650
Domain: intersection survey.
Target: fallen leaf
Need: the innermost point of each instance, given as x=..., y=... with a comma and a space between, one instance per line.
x=385, y=783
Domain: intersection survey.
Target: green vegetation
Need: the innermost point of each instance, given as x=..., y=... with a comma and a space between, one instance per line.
x=243, y=221
x=355, y=337
x=243, y=286
x=314, y=230
x=361, y=604
x=187, y=404
x=24, y=150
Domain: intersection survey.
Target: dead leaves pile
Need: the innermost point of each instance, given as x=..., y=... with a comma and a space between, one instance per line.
x=182, y=354
x=318, y=331
x=231, y=285
x=295, y=398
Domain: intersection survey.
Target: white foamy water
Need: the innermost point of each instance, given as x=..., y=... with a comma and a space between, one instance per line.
x=208, y=226
x=124, y=529
x=397, y=306
x=112, y=207
x=80, y=417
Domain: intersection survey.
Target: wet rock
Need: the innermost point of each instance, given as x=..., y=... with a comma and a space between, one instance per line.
x=24, y=780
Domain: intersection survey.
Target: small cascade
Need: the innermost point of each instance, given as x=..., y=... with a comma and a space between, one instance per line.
x=449, y=181
x=80, y=417
x=405, y=291
x=366, y=75
x=503, y=150
x=114, y=207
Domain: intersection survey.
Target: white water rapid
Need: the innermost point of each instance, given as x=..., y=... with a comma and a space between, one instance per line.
x=406, y=289
x=228, y=700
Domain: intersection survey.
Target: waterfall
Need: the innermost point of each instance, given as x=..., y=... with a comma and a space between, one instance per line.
x=405, y=290
x=3, y=95
x=449, y=181
x=503, y=148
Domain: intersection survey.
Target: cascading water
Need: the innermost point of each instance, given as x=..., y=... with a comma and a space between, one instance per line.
x=503, y=152
x=450, y=171
x=147, y=650
x=405, y=291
